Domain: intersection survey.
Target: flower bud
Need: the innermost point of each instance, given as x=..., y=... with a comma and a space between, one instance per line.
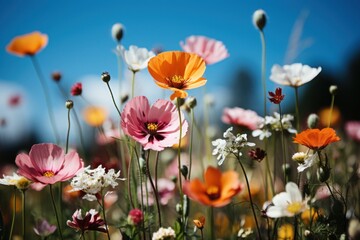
x=190, y=102
x=124, y=98
x=323, y=173
x=179, y=209
x=184, y=171
x=333, y=89
x=105, y=76
x=56, y=76
x=69, y=104
x=117, y=31
x=135, y=217
x=259, y=19
x=286, y=169
x=312, y=120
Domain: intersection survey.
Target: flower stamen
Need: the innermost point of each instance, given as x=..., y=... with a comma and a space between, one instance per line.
x=294, y=207
x=48, y=174
x=176, y=81
x=213, y=192
x=152, y=127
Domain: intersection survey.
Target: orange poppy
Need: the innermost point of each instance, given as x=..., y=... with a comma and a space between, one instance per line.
x=217, y=190
x=28, y=44
x=177, y=71
x=316, y=139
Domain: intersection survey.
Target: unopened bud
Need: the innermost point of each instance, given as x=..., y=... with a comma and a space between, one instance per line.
x=179, y=209
x=259, y=19
x=117, y=31
x=286, y=169
x=190, y=102
x=105, y=76
x=56, y=76
x=333, y=89
x=69, y=104
x=124, y=98
x=323, y=173
x=184, y=171
x=312, y=120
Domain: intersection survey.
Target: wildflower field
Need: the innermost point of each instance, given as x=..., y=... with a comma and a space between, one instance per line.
x=160, y=170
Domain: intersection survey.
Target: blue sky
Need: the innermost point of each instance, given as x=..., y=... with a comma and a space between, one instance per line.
x=81, y=47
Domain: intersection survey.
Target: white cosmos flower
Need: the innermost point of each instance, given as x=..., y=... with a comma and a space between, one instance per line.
x=136, y=58
x=287, y=204
x=293, y=75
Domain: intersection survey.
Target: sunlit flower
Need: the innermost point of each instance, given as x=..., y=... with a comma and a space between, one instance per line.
x=230, y=144
x=211, y=50
x=287, y=204
x=136, y=58
x=28, y=44
x=93, y=181
x=200, y=222
x=94, y=116
x=164, y=234
x=165, y=189
x=277, y=96
x=90, y=222
x=135, y=216
x=286, y=232
x=18, y=181
x=293, y=75
x=241, y=117
x=43, y=228
x=154, y=127
x=177, y=71
x=316, y=139
x=352, y=129
x=217, y=189
x=48, y=164
x=76, y=89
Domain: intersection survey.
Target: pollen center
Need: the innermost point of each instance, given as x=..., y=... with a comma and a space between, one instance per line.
x=213, y=192
x=176, y=81
x=152, y=127
x=294, y=207
x=48, y=174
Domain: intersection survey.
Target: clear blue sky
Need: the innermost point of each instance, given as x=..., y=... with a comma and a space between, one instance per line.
x=80, y=43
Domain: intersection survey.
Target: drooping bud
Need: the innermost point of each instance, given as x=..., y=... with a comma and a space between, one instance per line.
x=124, y=98
x=117, y=31
x=312, y=120
x=105, y=76
x=333, y=89
x=259, y=19
x=69, y=104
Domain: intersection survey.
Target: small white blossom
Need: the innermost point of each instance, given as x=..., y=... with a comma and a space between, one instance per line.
x=309, y=161
x=93, y=181
x=231, y=144
x=164, y=234
x=16, y=180
x=136, y=58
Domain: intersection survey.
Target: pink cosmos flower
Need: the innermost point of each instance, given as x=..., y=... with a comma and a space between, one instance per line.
x=166, y=191
x=211, y=50
x=43, y=228
x=91, y=221
x=47, y=164
x=352, y=129
x=154, y=127
x=241, y=117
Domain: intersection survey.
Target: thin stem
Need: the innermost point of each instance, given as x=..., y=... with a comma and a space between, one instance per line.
x=202, y=234
x=13, y=215
x=118, y=56
x=191, y=141
x=263, y=67
x=156, y=170
x=113, y=99
x=129, y=183
x=68, y=132
x=153, y=188
x=23, y=213
x=133, y=84
x=104, y=215
x=212, y=225
x=179, y=150
x=142, y=198
x=56, y=213
x=250, y=197
x=283, y=145
x=47, y=97
x=82, y=235
x=297, y=109
x=331, y=108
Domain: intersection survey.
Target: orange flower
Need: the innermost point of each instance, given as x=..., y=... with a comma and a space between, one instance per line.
x=217, y=190
x=95, y=116
x=28, y=44
x=177, y=71
x=316, y=139
x=200, y=222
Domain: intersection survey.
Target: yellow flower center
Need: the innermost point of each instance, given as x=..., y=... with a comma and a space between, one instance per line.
x=176, y=81
x=152, y=127
x=23, y=183
x=294, y=207
x=48, y=174
x=213, y=192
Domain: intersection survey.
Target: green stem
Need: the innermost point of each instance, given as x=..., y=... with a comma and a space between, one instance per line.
x=263, y=67
x=331, y=108
x=191, y=142
x=113, y=99
x=179, y=150
x=133, y=84
x=13, y=215
x=23, y=213
x=250, y=197
x=47, y=97
x=104, y=215
x=68, y=132
x=283, y=145
x=212, y=224
x=297, y=109
x=55, y=210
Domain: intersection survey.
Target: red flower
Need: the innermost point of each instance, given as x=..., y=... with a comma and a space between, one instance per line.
x=76, y=89
x=135, y=216
x=316, y=139
x=276, y=97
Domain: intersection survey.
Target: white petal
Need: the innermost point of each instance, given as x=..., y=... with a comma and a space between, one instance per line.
x=293, y=190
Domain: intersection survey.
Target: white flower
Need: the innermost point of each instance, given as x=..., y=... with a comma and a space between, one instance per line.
x=308, y=162
x=136, y=58
x=231, y=144
x=287, y=204
x=164, y=233
x=264, y=133
x=93, y=181
x=293, y=75
x=16, y=180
